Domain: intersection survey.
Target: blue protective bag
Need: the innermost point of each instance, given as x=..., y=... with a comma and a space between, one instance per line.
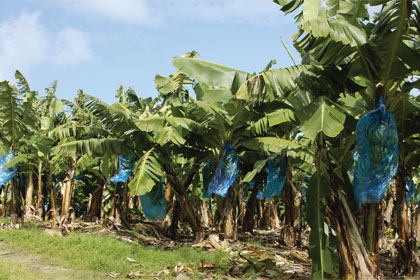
x=226, y=172
x=377, y=141
x=304, y=190
x=6, y=174
x=126, y=165
x=206, y=179
x=410, y=189
x=153, y=203
x=80, y=175
x=277, y=173
x=22, y=181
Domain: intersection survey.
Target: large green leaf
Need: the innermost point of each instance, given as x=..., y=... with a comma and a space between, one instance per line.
x=22, y=83
x=258, y=166
x=47, y=123
x=152, y=123
x=270, y=144
x=348, y=9
x=209, y=73
x=56, y=106
x=147, y=171
x=321, y=116
x=321, y=239
x=334, y=29
x=169, y=134
x=311, y=9
x=10, y=121
x=163, y=84
x=208, y=94
x=3, y=149
x=262, y=125
x=282, y=82
x=92, y=146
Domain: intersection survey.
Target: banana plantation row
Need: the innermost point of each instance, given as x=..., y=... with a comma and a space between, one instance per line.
x=332, y=143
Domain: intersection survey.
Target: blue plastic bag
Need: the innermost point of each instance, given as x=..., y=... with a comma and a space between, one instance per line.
x=377, y=141
x=153, y=203
x=126, y=165
x=410, y=189
x=226, y=172
x=206, y=179
x=22, y=181
x=277, y=173
x=355, y=154
x=6, y=174
x=80, y=175
x=304, y=190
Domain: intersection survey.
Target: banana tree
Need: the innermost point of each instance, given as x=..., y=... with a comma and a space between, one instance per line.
x=232, y=121
x=374, y=55
x=18, y=122
x=86, y=136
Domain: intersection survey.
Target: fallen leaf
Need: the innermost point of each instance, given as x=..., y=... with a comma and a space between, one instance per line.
x=132, y=260
x=135, y=274
x=114, y=275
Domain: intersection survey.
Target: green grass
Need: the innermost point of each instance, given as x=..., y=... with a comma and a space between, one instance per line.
x=4, y=220
x=16, y=271
x=11, y=270
x=105, y=254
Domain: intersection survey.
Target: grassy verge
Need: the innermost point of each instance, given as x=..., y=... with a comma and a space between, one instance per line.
x=12, y=270
x=105, y=254
x=15, y=271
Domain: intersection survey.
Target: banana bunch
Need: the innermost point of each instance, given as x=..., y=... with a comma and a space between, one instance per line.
x=377, y=141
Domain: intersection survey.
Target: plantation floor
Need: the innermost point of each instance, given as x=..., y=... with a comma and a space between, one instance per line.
x=19, y=264
x=89, y=251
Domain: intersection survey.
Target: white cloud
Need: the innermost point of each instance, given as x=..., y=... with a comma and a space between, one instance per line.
x=147, y=12
x=127, y=11
x=25, y=44
x=71, y=47
x=226, y=11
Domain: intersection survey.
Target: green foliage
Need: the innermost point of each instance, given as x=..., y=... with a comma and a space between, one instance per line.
x=321, y=237
x=321, y=116
x=210, y=73
x=147, y=171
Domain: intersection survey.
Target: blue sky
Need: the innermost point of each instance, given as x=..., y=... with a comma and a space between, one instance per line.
x=96, y=45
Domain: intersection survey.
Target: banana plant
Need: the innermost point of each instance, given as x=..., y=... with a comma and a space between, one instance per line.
x=234, y=118
x=366, y=57
x=18, y=120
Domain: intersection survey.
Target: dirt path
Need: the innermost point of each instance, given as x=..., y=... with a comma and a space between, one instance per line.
x=20, y=264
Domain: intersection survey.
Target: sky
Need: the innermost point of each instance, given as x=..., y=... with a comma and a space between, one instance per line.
x=96, y=45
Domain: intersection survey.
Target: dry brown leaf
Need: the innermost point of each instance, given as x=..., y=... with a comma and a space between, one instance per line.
x=114, y=275
x=132, y=260
x=136, y=274
x=164, y=272
x=206, y=265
